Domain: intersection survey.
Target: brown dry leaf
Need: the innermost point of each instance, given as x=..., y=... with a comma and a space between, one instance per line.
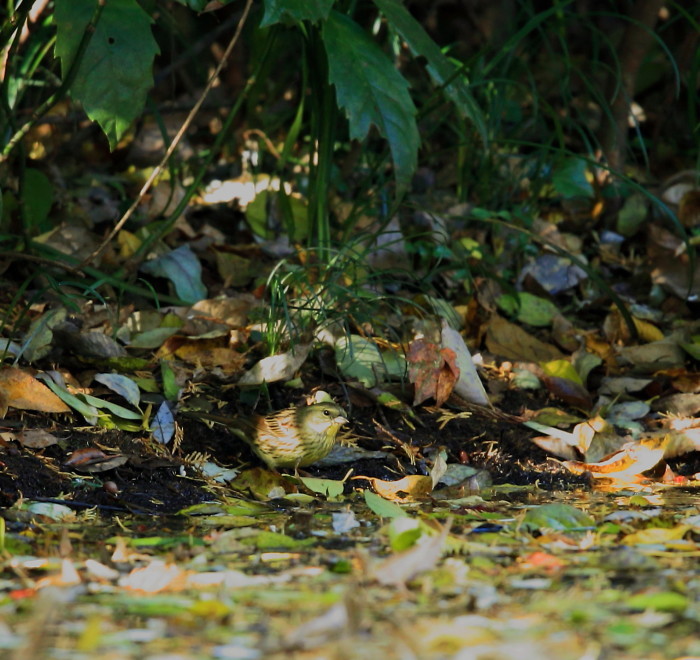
x=21, y=390
x=409, y=489
x=568, y=391
x=432, y=371
x=511, y=341
x=685, y=381
x=672, y=268
x=629, y=462
x=209, y=353
x=234, y=269
x=36, y=438
x=232, y=311
x=91, y=460
x=652, y=357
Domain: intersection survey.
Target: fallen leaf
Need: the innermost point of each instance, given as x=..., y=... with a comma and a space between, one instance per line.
x=512, y=342
x=405, y=566
x=276, y=367
x=468, y=386
x=432, y=370
x=409, y=489
x=630, y=461
x=36, y=438
x=21, y=390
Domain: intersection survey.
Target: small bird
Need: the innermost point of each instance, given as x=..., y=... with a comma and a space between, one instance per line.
x=291, y=438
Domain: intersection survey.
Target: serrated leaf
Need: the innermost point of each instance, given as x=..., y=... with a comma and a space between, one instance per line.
x=441, y=70
x=115, y=72
x=372, y=92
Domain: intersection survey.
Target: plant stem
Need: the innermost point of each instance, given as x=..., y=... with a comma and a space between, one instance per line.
x=323, y=124
x=63, y=88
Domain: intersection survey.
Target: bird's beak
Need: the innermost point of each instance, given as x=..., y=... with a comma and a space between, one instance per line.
x=340, y=420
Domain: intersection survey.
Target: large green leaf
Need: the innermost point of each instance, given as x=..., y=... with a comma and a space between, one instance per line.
x=115, y=72
x=284, y=11
x=441, y=70
x=371, y=91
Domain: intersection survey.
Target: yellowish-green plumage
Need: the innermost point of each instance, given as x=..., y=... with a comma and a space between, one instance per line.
x=295, y=437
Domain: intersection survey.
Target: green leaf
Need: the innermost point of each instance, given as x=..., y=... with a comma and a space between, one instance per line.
x=114, y=408
x=557, y=516
x=152, y=338
x=183, y=269
x=360, y=359
x=664, y=601
x=562, y=369
x=274, y=540
x=90, y=413
x=404, y=532
x=528, y=308
x=440, y=68
x=569, y=179
x=371, y=91
x=37, y=199
x=382, y=507
x=692, y=349
x=285, y=11
x=329, y=488
x=633, y=214
x=115, y=72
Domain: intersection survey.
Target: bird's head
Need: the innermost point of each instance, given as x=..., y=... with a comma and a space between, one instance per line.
x=322, y=417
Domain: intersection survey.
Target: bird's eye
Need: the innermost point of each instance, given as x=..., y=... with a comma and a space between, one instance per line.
x=326, y=412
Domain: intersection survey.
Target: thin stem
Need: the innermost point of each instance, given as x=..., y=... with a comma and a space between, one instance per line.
x=63, y=88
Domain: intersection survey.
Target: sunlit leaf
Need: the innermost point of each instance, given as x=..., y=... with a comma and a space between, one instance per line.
x=329, y=488
x=383, y=507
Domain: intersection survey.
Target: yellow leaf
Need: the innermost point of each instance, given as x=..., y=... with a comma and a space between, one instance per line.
x=647, y=331
x=656, y=535
x=408, y=489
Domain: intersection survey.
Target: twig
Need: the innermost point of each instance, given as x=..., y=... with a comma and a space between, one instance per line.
x=176, y=140
x=39, y=260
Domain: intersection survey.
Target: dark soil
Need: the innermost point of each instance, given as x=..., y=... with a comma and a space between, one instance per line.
x=156, y=481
